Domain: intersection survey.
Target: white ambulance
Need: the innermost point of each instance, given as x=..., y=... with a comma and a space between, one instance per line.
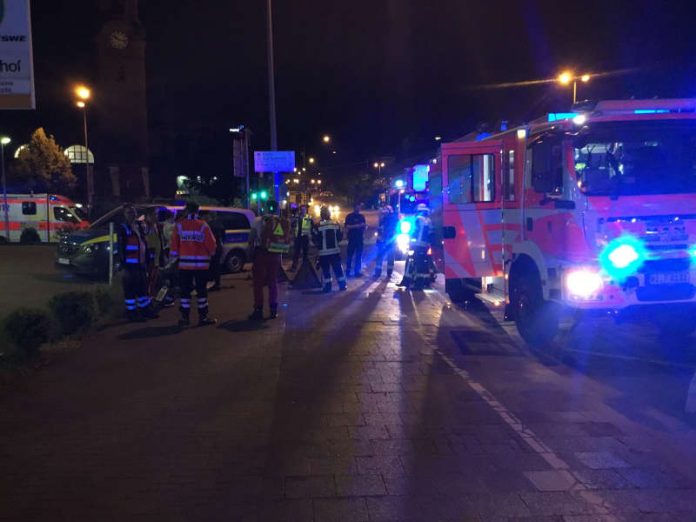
x=34, y=218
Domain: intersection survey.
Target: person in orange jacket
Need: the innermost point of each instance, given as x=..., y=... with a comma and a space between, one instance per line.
x=192, y=245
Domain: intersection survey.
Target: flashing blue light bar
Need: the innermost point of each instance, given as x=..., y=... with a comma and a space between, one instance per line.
x=558, y=116
x=483, y=135
x=650, y=111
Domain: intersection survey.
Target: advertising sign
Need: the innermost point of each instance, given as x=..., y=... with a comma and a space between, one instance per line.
x=274, y=161
x=16, y=64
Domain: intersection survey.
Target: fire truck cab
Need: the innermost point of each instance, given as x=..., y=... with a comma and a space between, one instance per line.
x=589, y=211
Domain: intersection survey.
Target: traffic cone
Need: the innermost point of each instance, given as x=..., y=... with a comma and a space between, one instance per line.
x=306, y=278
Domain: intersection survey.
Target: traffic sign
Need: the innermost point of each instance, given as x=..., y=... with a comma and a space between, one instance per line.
x=274, y=161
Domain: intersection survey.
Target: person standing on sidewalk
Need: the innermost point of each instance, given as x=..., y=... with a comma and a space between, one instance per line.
x=327, y=238
x=215, y=267
x=269, y=240
x=155, y=249
x=355, y=227
x=301, y=231
x=132, y=247
x=386, y=234
x=193, y=244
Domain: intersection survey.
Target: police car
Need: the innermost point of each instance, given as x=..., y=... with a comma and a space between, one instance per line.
x=86, y=252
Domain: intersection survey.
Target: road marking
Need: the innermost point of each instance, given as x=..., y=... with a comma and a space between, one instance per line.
x=599, y=505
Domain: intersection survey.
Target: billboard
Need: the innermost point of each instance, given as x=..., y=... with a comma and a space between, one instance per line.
x=16, y=63
x=274, y=161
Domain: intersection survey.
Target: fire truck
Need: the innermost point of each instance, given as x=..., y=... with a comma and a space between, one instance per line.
x=588, y=212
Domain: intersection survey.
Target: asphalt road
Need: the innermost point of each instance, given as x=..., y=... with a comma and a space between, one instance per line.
x=374, y=404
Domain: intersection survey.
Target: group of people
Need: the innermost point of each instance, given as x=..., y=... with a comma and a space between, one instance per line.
x=151, y=248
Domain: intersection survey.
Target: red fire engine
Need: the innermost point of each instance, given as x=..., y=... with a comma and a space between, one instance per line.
x=590, y=211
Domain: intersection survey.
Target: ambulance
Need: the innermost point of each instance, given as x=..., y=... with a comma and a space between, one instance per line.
x=37, y=218
x=588, y=212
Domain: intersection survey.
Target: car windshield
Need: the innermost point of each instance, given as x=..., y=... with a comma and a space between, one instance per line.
x=636, y=158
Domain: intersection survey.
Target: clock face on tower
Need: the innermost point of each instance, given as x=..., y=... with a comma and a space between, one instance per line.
x=118, y=40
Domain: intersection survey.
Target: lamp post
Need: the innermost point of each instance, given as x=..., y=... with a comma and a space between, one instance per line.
x=566, y=77
x=6, y=207
x=271, y=95
x=379, y=165
x=83, y=95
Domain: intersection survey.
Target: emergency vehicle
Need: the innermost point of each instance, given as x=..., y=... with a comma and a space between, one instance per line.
x=592, y=211
x=86, y=252
x=39, y=217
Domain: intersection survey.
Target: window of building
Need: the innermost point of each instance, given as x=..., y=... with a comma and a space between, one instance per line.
x=28, y=208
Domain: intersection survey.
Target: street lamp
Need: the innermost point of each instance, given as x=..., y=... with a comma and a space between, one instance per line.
x=311, y=160
x=83, y=94
x=326, y=139
x=566, y=77
x=6, y=207
x=379, y=165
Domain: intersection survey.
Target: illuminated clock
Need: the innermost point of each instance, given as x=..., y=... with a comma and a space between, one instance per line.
x=118, y=40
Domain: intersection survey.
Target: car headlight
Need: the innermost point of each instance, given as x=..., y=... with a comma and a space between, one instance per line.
x=583, y=283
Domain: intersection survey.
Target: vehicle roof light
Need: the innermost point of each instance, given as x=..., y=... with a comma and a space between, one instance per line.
x=651, y=111
x=559, y=116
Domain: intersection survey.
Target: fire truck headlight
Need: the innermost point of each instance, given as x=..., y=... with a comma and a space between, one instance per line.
x=405, y=226
x=403, y=243
x=583, y=283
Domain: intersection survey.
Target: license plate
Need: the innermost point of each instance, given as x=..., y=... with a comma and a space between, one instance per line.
x=63, y=261
x=668, y=278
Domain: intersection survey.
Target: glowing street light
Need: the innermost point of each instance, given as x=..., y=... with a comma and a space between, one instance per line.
x=83, y=94
x=326, y=139
x=311, y=160
x=568, y=77
x=379, y=165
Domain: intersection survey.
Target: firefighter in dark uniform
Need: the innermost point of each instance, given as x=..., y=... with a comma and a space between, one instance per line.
x=419, y=271
x=327, y=238
x=386, y=234
x=132, y=247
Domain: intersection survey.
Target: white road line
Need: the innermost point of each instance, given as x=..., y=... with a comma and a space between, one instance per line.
x=598, y=504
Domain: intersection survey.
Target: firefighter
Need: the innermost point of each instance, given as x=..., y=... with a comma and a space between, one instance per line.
x=193, y=244
x=327, y=238
x=302, y=232
x=269, y=240
x=386, y=234
x=132, y=247
x=355, y=227
x=418, y=273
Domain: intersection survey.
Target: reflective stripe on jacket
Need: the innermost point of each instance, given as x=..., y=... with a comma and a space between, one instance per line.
x=327, y=238
x=193, y=244
x=132, y=245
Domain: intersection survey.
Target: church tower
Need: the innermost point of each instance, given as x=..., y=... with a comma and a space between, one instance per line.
x=121, y=102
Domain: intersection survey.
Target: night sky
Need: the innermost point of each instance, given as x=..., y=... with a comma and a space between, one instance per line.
x=383, y=77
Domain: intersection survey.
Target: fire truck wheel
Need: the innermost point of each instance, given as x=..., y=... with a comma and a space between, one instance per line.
x=537, y=320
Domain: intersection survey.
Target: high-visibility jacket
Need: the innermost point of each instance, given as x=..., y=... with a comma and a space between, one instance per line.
x=132, y=245
x=193, y=244
x=327, y=237
x=307, y=225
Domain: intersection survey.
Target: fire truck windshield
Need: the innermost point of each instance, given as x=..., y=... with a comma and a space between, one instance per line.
x=636, y=158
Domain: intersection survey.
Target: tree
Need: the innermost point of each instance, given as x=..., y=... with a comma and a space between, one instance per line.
x=42, y=165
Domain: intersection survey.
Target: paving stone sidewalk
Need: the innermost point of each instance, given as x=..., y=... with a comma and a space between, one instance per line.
x=350, y=407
